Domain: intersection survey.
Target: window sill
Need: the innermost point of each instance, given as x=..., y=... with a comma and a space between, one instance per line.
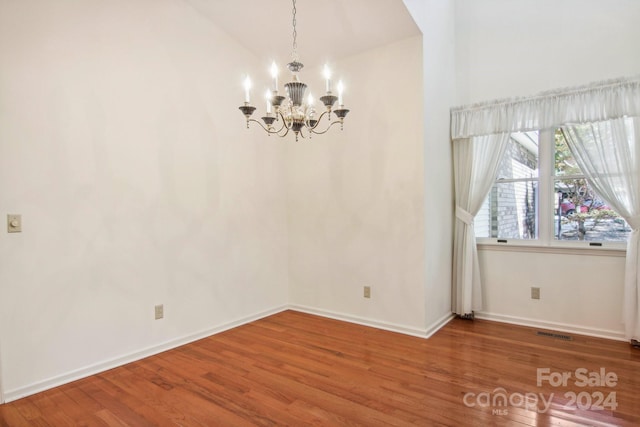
x=563, y=249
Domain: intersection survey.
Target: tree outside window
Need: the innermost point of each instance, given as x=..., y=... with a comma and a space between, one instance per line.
x=580, y=214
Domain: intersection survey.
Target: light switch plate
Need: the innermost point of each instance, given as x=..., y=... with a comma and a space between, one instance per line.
x=14, y=223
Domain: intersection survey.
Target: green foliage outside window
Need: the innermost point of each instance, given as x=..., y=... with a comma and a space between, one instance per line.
x=582, y=215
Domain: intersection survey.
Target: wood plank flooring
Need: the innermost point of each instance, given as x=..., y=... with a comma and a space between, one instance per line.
x=298, y=369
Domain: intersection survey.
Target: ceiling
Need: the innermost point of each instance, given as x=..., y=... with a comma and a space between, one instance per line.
x=327, y=29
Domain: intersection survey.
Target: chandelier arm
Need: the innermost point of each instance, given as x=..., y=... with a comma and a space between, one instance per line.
x=319, y=119
x=279, y=112
x=285, y=132
x=284, y=125
x=263, y=127
x=312, y=130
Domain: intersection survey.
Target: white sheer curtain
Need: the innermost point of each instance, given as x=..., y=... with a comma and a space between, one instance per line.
x=591, y=103
x=475, y=165
x=608, y=152
x=597, y=102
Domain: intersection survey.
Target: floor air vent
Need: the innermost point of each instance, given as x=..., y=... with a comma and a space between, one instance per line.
x=557, y=336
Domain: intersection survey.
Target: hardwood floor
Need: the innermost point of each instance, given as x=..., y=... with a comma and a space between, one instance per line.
x=298, y=369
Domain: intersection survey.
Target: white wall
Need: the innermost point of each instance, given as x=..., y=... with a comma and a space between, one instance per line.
x=436, y=20
x=510, y=48
x=136, y=184
x=507, y=48
x=578, y=293
x=356, y=197
x=373, y=205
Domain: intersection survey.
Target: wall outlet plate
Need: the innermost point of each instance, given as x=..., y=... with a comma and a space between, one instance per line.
x=535, y=293
x=367, y=291
x=14, y=223
x=159, y=311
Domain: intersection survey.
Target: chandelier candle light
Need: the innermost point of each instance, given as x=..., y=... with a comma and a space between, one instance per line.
x=290, y=113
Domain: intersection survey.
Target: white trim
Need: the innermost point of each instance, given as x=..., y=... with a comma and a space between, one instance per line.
x=387, y=326
x=39, y=386
x=546, y=195
x=561, y=327
x=517, y=246
x=1, y=388
x=439, y=324
x=77, y=374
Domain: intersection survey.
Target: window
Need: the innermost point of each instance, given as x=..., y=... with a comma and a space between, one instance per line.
x=509, y=210
x=579, y=213
x=539, y=174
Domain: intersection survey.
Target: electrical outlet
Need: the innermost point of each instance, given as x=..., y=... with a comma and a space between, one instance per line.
x=535, y=293
x=159, y=311
x=367, y=291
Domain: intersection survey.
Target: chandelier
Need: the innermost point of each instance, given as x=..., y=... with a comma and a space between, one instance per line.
x=291, y=112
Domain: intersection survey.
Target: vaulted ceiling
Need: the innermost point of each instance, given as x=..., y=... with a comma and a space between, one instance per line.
x=327, y=29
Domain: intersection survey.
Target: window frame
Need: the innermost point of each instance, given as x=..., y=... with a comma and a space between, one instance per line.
x=546, y=241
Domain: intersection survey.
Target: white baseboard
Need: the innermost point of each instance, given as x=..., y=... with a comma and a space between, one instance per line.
x=387, y=326
x=439, y=324
x=1, y=388
x=11, y=395
x=556, y=326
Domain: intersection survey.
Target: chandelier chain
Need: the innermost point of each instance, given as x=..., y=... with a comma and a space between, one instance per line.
x=294, y=53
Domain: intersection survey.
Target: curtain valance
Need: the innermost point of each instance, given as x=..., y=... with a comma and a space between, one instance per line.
x=595, y=102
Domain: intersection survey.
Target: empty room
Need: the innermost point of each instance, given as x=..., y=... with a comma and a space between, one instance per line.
x=293, y=212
